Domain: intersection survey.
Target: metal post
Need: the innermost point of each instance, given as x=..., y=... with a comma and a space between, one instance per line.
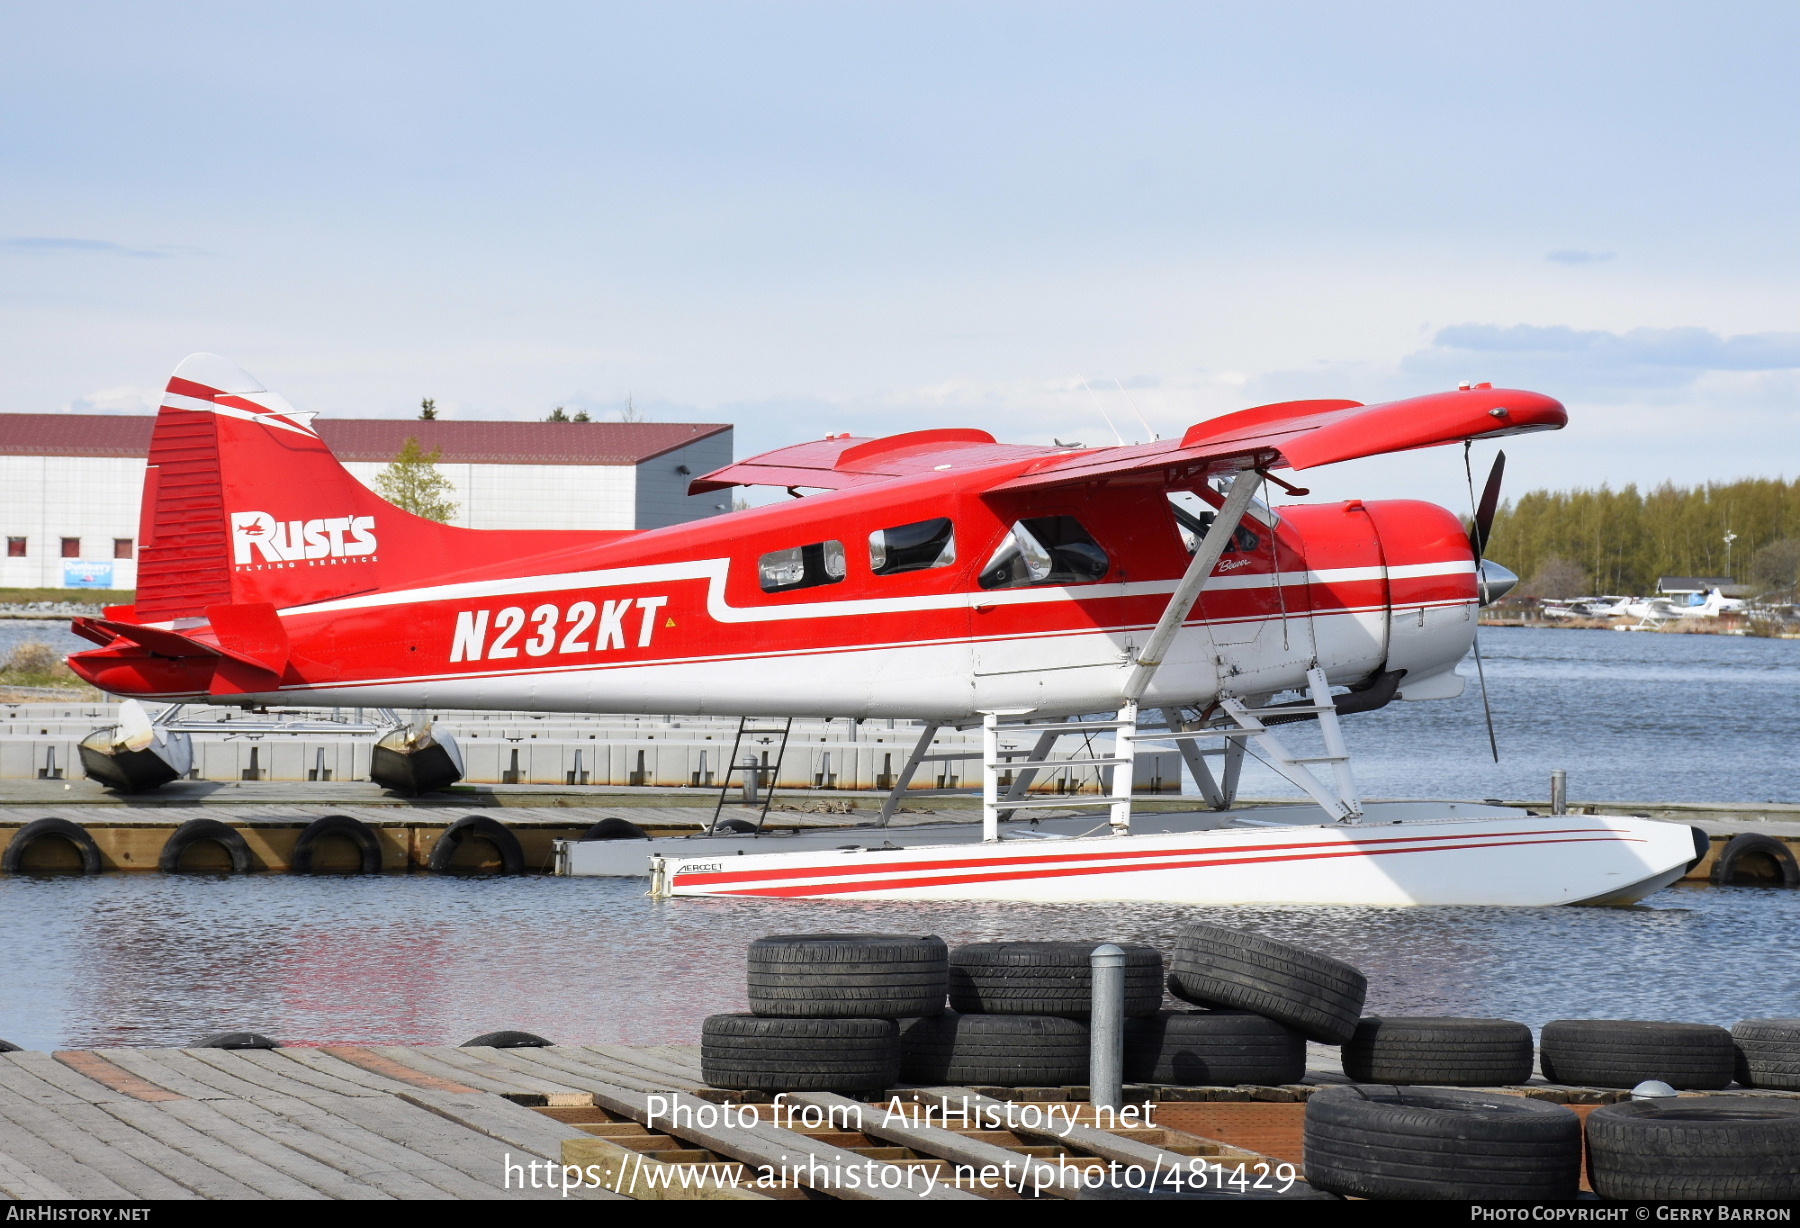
x=752, y=778
x=906, y=773
x=1106, y=1024
x=1559, y=792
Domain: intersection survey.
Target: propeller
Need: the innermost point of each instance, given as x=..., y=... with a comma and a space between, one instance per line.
x=1481, y=527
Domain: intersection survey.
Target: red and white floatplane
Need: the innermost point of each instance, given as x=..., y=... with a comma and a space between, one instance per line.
x=937, y=575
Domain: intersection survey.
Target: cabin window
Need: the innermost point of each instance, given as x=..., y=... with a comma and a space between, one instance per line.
x=1046, y=550
x=912, y=547
x=801, y=567
x=1193, y=518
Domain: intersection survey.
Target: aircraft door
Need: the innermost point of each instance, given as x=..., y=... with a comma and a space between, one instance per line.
x=1349, y=589
x=1257, y=608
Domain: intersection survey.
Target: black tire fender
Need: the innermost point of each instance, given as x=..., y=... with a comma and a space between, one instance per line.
x=1435, y=1143
x=1696, y=1148
x=848, y=976
x=512, y=857
x=506, y=1039
x=613, y=828
x=1217, y=966
x=1754, y=844
x=356, y=831
x=1212, y=1049
x=747, y=1052
x=1439, y=1051
x=193, y=832
x=995, y=1050
x=39, y=829
x=1768, y=1053
x=1047, y=978
x=237, y=1040
x=1626, y=1052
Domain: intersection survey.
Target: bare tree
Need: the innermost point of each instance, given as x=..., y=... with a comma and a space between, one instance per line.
x=1556, y=577
x=1775, y=569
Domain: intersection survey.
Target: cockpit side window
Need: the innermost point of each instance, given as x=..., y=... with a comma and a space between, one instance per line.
x=1193, y=518
x=912, y=547
x=801, y=567
x=1046, y=550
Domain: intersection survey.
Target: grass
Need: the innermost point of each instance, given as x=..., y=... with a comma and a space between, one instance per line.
x=86, y=596
x=36, y=664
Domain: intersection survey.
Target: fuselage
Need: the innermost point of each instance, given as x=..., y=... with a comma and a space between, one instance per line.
x=683, y=619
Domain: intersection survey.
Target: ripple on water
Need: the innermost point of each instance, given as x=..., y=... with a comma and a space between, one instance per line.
x=162, y=960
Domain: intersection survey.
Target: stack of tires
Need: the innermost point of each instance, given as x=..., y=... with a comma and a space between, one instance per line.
x=823, y=1012
x=1434, y=1142
x=1263, y=999
x=1018, y=1015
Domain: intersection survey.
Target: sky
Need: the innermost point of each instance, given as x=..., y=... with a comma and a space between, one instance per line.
x=805, y=218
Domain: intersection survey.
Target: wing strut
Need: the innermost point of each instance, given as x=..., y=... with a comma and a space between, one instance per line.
x=1181, y=603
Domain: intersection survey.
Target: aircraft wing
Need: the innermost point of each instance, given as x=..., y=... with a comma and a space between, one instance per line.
x=1291, y=434
x=844, y=460
x=1305, y=434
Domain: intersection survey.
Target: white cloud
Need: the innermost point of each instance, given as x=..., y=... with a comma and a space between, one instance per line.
x=122, y=400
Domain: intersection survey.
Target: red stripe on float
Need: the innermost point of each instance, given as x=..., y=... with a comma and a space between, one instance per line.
x=1077, y=871
x=733, y=876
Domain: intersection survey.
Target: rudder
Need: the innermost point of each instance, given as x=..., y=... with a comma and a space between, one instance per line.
x=244, y=503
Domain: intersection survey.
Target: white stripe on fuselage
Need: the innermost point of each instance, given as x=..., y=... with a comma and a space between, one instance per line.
x=714, y=572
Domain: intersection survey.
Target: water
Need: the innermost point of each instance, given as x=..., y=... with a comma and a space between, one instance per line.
x=16, y=631
x=151, y=960
x=1645, y=717
x=154, y=960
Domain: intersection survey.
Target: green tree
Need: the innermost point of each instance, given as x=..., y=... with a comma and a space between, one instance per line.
x=558, y=415
x=413, y=483
x=1624, y=539
x=428, y=410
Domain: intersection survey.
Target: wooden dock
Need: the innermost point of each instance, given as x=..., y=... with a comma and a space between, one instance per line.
x=608, y=1121
x=387, y=1122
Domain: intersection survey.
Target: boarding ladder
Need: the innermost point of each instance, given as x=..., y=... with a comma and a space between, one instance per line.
x=758, y=776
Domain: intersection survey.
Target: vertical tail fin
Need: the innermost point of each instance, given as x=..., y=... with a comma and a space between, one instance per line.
x=244, y=503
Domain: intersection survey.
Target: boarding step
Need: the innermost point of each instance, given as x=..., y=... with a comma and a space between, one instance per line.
x=1059, y=763
x=1070, y=727
x=1189, y=735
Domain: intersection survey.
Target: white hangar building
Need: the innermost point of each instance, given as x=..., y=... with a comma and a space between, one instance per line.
x=70, y=484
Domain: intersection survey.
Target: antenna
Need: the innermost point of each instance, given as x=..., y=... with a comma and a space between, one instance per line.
x=1104, y=414
x=1140, y=413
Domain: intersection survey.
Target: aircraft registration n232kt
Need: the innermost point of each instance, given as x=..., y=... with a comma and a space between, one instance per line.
x=937, y=575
